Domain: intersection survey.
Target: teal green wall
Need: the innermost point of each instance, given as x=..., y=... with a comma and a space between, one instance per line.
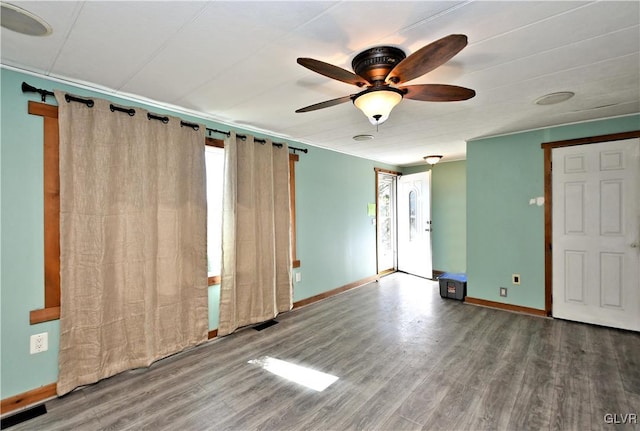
x=335, y=237
x=505, y=235
x=333, y=228
x=448, y=214
x=21, y=222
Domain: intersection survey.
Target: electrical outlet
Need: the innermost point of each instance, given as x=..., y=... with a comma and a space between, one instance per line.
x=503, y=291
x=515, y=278
x=39, y=343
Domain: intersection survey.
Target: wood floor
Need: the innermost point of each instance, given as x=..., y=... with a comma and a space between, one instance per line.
x=406, y=360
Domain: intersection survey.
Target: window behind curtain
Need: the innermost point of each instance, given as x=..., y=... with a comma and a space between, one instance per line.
x=214, y=160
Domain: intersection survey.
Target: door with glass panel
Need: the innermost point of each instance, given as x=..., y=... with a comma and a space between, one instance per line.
x=386, y=222
x=414, y=224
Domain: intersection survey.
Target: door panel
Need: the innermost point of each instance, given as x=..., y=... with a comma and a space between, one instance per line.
x=576, y=276
x=414, y=224
x=574, y=217
x=611, y=204
x=611, y=282
x=596, y=218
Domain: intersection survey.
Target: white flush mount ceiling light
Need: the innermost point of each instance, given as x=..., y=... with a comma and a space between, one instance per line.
x=432, y=160
x=553, y=98
x=22, y=21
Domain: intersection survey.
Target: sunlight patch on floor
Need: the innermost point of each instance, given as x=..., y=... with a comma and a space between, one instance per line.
x=316, y=380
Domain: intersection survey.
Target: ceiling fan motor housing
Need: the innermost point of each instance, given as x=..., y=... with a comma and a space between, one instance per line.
x=374, y=64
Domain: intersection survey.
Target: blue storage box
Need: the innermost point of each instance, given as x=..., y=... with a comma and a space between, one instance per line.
x=453, y=285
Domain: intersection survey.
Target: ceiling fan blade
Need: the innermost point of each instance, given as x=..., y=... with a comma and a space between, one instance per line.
x=331, y=71
x=437, y=92
x=427, y=58
x=325, y=104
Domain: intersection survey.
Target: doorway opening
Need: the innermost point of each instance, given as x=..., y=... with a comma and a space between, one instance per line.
x=386, y=221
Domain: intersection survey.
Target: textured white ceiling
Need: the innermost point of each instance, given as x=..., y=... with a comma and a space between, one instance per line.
x=235, y=62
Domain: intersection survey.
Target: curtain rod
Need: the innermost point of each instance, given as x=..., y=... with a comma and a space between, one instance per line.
x=262, y=141
x=26, y=88
x=31, y=89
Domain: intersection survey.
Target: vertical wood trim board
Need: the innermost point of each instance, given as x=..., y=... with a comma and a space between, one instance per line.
x=293, y=158
x=51, y=201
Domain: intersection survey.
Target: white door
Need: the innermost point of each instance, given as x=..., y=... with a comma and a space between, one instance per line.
x=596, y=223
x=414, y=224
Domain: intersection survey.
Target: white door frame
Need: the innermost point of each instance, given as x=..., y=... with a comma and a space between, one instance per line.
x=548, y=218
x=378, y=172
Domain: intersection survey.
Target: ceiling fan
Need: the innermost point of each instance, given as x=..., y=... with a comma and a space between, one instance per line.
x=380, y=69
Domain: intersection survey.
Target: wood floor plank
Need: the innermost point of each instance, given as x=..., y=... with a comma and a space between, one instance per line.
x=605, y=381
x=76, y=415
x=383, y=401
x=496, y=402
x=406, y=359
x=357, y=388
x=532, y=407
x=571, y=405
x=459, y=408
x=459, y=367
x=627, y=350
x=398, y=423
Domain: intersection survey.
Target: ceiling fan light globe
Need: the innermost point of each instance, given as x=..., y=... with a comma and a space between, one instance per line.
x=378, y=103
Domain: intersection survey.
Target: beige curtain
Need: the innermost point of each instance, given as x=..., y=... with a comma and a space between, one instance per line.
x=256, y=245
x=132, y=241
